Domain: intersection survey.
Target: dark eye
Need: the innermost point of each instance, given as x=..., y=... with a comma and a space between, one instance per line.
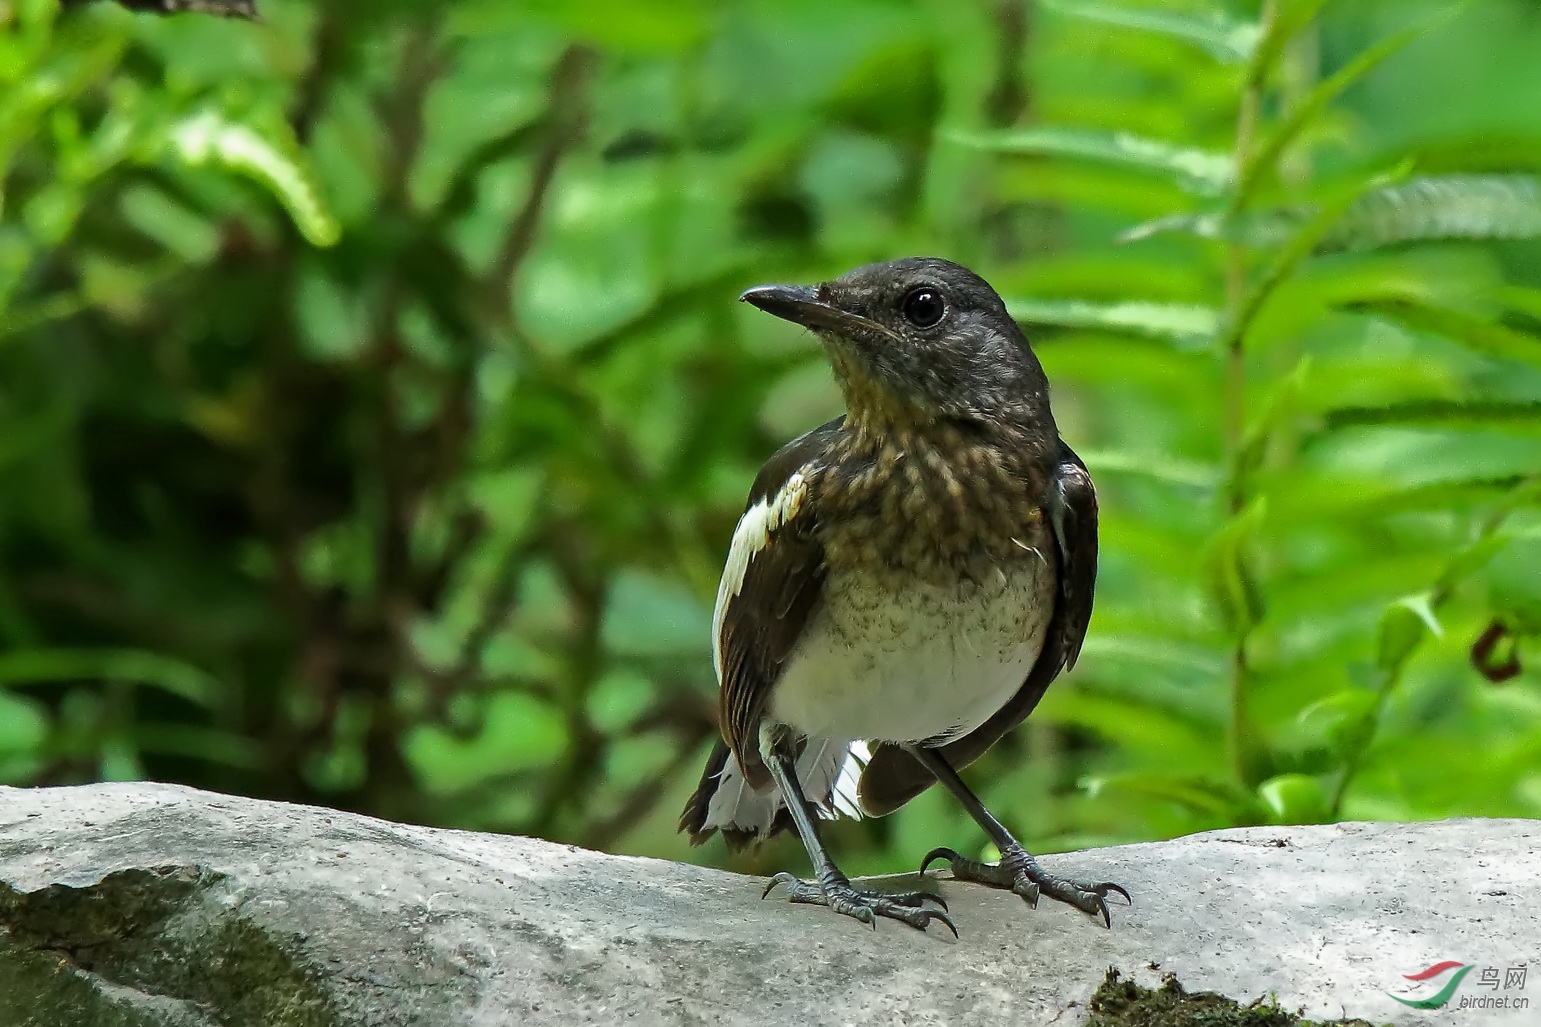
x=924, y=307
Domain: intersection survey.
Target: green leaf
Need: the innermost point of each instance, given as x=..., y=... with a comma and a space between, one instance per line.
x=651, y=616
x=1345, y=719
x=1223, y=38
x=1208, y=224
x=1485, y=337
x=517, y=732
x=1443, y=207
x=190, y=742
x=1425, y=208
x=460, y=194
x=1134, y=727
x=1492, y=149
x=1402, y=627
x=1232, y=583
x=1153, y=650
x=272, y=159
x=23, y=724
x=1315, y=102
x=618, y=700
x=1294, y=799
x=1500, y=415
x=1342, y=499
x=1491, y=542
x=1522, y=299
x=1199, y=171
x=1283, y=401
x=1259, y=230
x=117, y=760
x=1289, y=18
x=1151, y=465
x=1196, y=794
x=187, y=235
x=1299, y=247
x=33, y=666
x=1188, y=325
x=630, y=27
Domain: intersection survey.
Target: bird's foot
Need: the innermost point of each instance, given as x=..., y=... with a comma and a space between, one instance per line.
x=839, y=895
x=1019, y=872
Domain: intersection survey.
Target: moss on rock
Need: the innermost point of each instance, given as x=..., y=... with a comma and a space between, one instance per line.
x=1120, y=1002
x=159, y=947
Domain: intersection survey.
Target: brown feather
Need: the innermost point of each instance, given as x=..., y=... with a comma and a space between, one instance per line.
x=760, y=627
x=893, y=777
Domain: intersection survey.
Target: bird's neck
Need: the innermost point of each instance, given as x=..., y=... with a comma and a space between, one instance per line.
x=1022, y=429
x=1023, y=440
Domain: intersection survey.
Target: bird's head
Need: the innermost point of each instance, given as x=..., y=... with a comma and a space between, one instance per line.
x=919, y=340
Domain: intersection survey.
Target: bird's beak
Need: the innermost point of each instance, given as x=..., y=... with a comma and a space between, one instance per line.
x=800, y=304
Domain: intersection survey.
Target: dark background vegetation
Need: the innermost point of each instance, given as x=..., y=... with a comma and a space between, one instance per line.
x=375, y=409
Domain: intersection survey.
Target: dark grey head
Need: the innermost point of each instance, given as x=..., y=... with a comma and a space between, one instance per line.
x=920, y=335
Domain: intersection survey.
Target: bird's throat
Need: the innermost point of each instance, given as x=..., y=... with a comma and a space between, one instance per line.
x=936, y=501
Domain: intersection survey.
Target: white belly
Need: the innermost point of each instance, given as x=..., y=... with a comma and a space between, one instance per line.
x=914, y=664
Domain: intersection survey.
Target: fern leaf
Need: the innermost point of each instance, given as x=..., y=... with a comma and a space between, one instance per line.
x=1444, y=207
x=1198, y=171
x=170, y=675
x=1485, y=337
x=1421, y=209
x=1223, y=38
x=270, y=159
x=1501, y=415
x=1315, y=102
x=1168, y=470
x=1189, y=326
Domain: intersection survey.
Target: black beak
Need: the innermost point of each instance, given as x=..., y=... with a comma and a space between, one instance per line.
x=800, y=304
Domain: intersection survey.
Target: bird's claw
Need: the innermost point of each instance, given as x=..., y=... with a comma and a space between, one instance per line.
x=1019, y=873
x=940, y=852
x=866, y=906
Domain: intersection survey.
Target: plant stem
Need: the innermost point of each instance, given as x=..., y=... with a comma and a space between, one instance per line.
x=1236, y=388
x=1236, y=265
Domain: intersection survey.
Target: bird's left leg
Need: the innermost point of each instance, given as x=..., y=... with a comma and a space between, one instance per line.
x=1017, y=870
x=832, y=888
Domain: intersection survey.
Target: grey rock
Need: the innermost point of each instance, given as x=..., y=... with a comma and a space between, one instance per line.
x=145, y=905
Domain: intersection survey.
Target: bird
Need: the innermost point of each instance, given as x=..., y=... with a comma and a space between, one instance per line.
x=903, y=585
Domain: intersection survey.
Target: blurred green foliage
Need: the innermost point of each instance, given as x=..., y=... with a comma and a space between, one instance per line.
x=375, y=409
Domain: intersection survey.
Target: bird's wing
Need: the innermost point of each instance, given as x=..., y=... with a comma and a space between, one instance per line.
x=770, y=585
x=892, y=776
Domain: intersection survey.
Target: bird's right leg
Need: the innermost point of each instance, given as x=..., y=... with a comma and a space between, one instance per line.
x=1017, y=870
x=831, y=887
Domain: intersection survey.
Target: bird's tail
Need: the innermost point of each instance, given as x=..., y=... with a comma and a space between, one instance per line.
x=827, y=769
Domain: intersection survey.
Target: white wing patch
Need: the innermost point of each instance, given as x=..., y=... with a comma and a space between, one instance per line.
x=751, y=536
x=828, y=768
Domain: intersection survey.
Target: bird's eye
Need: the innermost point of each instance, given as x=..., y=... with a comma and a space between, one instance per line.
x=924, y=307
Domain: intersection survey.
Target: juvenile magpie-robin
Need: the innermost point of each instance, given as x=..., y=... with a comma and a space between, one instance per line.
x=904, y=585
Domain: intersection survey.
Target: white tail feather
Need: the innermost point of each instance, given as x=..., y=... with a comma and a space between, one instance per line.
x=844, y=796
x=827, y=770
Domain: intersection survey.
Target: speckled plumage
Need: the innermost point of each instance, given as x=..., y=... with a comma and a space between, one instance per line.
x=934, y=504
x=940, y=584
x=914, y=574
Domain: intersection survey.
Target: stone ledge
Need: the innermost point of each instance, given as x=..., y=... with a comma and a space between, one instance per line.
x=145, y=905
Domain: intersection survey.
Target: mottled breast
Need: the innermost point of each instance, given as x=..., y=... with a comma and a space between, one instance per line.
x=937, y=507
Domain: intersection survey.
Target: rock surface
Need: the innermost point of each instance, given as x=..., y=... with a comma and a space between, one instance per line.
x=142, y=905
